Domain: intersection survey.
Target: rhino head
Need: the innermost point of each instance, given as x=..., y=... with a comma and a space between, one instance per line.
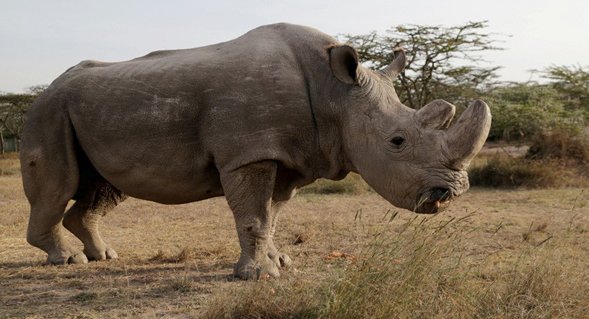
x=413, y=158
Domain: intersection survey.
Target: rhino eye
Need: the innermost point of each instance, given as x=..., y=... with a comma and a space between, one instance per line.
x=397, y=141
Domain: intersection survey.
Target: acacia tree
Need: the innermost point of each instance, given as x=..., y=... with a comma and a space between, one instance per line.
x=572, y=83
x=443, y=61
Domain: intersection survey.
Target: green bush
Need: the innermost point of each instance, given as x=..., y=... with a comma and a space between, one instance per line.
x=522, y=111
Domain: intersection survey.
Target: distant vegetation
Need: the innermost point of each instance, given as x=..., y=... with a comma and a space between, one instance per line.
x=446, y=63
x=13, y=108
x=556, y=158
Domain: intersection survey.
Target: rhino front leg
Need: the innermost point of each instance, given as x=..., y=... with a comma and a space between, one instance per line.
x=249, y=191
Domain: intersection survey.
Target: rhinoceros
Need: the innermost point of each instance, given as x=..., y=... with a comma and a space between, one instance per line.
x=252, y=119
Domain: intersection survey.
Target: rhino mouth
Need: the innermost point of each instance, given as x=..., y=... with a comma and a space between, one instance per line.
x=433, y=200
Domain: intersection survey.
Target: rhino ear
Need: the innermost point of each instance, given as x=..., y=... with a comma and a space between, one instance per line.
x=344, y=63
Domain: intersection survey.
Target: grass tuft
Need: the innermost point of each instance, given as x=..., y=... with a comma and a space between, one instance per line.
x=182, y=284
x=409, y=274
x=185, y=255
x=267, y=299
x=85, y=297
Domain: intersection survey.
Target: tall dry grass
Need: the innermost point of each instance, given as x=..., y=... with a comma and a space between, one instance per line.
x=567, y=145
x=9, y=164
x=419, y=269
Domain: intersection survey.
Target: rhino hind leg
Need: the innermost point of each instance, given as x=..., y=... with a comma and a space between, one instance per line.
x=94, y=199
x=250, y=191
x=46, y=232
x=285, y=184
x=280, y=259
x=50, y=179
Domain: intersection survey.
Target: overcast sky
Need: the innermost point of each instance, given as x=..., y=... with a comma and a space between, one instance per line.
x=40, y=39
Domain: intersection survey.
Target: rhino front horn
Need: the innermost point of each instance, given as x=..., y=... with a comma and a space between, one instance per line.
x=467, y=136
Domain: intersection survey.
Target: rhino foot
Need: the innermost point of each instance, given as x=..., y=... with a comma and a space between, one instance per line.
x=97, y=255
x=249, y=269
x=80, y=258
x=66, y=258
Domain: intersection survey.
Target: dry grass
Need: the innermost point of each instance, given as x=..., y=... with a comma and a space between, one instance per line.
x=426, y=268
x=9, y=164
x=568, y=146
x=494, y=254
x=509, y=172
x=353, y=184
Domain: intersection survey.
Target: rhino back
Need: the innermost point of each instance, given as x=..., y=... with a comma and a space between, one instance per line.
x=176, y=118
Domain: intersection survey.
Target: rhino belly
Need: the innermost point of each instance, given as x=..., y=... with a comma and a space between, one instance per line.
x=147, y=154
x=168, y=175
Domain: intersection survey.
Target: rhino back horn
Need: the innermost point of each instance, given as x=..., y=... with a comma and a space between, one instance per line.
x=436, y=114
x=398, y=64
x=467, y=136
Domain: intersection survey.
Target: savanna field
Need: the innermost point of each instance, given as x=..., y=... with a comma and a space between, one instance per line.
x=496, y=253
x=223, y=82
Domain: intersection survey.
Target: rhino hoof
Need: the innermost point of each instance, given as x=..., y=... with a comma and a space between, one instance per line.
x=66, y=258
x=284, y=260
x=111, y=253
x=78, y=258
x=280, y=259
x=108, y=253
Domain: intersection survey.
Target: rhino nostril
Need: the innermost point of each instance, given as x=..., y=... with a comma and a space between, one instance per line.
x=440, y=194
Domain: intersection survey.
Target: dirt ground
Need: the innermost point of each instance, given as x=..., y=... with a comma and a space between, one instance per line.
x=173, y=259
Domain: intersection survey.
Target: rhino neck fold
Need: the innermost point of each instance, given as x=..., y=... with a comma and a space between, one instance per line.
x=330, y=160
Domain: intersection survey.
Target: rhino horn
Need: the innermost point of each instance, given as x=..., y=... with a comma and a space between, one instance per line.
x=436, y=115
x=398, y=64
x=467, y=136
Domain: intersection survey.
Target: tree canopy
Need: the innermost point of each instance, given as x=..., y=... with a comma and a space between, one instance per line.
x=444, y=62
x=572, y=83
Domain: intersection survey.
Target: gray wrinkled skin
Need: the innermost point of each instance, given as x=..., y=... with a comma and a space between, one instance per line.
x=252, y=119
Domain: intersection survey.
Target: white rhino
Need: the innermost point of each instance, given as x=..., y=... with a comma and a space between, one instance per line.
x=252, y=119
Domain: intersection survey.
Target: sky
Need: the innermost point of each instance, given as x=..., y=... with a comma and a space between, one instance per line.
x=40, y=39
